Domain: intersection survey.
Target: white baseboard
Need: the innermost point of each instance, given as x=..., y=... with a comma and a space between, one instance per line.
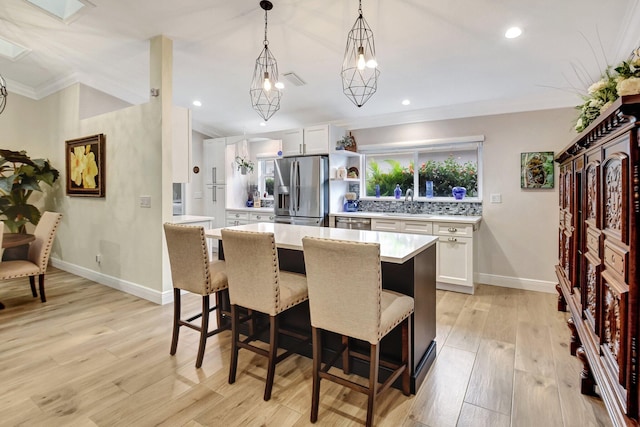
x=456, y=288
x=115, y=283
x=516, y=283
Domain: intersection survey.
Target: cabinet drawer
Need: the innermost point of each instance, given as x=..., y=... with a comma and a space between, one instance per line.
x=261, y=217
x=615, y=259
x=418, y=227
x=232, y=222
x=385, y=225
x=593, y=241
x=452, y=229
x=238, y=215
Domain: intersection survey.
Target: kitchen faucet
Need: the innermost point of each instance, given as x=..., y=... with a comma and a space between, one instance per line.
x=407, y=195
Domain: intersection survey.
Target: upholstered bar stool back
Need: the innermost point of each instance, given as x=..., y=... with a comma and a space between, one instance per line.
x=192, y=271
x=38, y=255
x=257, y=284
x=356, y=308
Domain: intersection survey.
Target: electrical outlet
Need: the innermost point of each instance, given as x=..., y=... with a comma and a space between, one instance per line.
x=98, y=258
x=496, y=198
x=145, y=201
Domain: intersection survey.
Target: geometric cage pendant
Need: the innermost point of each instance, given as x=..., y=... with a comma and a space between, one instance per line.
x=359, y=68
x=3, y=94
x=265, y=90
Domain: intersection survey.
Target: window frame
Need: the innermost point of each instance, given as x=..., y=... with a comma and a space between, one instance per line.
x=262, y=176
x=416, y=148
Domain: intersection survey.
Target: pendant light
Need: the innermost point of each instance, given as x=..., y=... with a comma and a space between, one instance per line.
x=360, y=68
x=3, y=94
x=265, y=91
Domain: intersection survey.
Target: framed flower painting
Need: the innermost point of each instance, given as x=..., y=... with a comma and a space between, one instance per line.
x=536, y=170
x=85, y=168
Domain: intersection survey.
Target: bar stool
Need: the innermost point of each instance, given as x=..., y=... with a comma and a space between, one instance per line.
x=191, y=271
x=360, y=310
x=257, y=284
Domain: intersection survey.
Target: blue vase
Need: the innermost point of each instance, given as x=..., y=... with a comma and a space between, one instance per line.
x=459, y=192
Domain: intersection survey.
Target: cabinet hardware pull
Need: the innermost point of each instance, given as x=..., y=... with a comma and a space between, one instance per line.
x=453, y=239
x=452, y=230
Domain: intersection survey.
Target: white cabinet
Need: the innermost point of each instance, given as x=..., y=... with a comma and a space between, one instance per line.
x=214, y=161
x=455, y=249
x=454, y=262
x=181, y=141
x=292, y=142
x=338, y=187
x=237, y=218
x=313, y=140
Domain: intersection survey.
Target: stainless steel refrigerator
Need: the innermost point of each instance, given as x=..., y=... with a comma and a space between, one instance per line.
x=301, y=190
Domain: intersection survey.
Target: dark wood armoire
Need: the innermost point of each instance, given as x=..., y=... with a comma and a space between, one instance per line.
x=598, y=255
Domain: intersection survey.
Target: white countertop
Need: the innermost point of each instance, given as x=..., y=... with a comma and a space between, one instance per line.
x=394, y=247
x=467, y=219
x=186, y=219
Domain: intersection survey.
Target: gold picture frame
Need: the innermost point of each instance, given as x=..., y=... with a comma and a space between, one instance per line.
x=85, y=166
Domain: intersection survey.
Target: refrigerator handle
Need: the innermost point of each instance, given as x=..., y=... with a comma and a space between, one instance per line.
x=214, y=194
x=214, y=178
x=292, y=183
x=297, y=186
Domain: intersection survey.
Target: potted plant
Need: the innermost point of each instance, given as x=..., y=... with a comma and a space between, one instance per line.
x=244, y=165
x=348, y=142
x=20, y=176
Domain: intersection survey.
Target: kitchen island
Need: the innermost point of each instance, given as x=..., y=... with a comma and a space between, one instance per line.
x=408, y=267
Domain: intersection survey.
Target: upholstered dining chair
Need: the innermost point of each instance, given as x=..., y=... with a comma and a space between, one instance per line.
x=192, y=271
x=359, y=309
x=38, y=257
x=257, y=284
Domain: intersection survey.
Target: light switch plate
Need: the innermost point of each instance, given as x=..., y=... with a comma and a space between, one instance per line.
x=496, y=198
x=145, y=201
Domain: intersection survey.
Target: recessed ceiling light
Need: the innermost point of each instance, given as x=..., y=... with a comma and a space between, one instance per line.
x=11, y=50
x=197, y=103
x=279, y=85
x=513, y=32
x=406, y=102
x=64, y=10
x=263, y=124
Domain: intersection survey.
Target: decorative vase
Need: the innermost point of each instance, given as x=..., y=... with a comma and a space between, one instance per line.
x=459, y=192
x=243, y=170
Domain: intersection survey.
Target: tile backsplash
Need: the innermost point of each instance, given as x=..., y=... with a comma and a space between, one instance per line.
x=432, y=208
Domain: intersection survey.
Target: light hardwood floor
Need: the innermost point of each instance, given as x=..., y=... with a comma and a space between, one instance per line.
x=95, y=356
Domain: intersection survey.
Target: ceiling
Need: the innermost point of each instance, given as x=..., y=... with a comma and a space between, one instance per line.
x=449, y=57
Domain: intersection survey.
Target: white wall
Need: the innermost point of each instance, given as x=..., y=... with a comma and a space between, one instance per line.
x=518, y=237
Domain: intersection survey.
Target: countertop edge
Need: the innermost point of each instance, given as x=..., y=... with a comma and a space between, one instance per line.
x=467, y=219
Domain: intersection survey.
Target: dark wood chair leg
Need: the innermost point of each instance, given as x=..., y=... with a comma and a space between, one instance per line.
x=176, y=321
x=273, y=355
x=405, y=357
x=346, y=365
x=373, y=383
x=204, y=329
x=219, y=320
x=41, y=284
x=317, y=362
x=235, y=336
x=32, y=282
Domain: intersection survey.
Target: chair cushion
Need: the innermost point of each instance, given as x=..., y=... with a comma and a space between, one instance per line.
x=18, y=268
x=293, y=290
x=395, y=308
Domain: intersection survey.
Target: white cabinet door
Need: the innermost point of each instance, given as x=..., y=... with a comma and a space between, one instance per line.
x=214, y=161
x=215, y=204
x=261, y=217
x=316, y=140
x=181, y=141
x=292, y=141
x=454, y=260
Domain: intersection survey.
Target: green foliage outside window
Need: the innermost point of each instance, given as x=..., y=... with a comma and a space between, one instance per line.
x=444, y=174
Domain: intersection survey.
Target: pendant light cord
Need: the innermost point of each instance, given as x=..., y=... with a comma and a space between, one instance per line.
x=266, y=42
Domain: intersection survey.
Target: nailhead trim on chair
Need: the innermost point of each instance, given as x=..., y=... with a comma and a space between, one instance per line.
x=49, y=245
